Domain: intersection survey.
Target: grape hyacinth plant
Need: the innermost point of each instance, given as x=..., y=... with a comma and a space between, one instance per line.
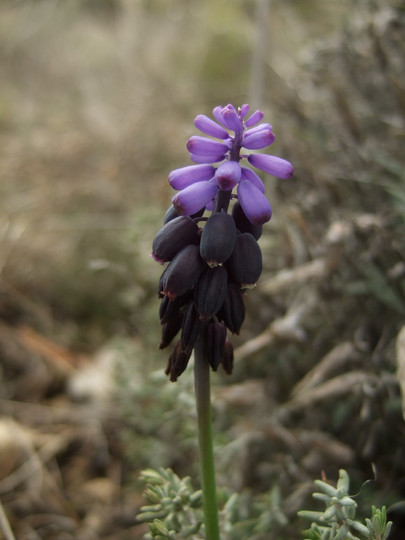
x=209, y=240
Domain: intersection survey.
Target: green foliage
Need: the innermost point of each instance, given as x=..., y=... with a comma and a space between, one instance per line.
x=338, y=521
x=174, y=509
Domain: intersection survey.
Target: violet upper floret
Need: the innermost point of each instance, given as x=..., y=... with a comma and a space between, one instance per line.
x=185, y=176
x=228, y=175
x=198, y=185
x=279, y=167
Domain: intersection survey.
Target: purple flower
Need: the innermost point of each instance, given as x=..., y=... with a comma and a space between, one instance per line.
x=184, y=177
x=248, y=133
x=228, y=175
x=272, y=165
x=209, y=127
x=254, y=203
x=192, y=198
x=213, y=255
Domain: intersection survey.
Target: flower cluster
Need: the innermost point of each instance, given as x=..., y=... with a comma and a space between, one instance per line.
x=213, y=259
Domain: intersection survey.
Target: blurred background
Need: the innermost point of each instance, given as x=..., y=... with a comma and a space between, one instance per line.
x=97, y=100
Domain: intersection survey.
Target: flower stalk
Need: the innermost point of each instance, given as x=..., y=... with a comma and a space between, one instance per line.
x=205, y=442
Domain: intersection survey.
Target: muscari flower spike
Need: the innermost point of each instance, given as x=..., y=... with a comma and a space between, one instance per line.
x=210, y=267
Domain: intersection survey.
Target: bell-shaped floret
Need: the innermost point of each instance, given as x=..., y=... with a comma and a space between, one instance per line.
x=258, y=137
x=169, y=309
x=254, y=203
x=243, y=224
x=279, y=167
x=170, y=330
x=173, y=236
x=232, y=311
x=227, y=358
x=209, y=127
x=195, y=197
x=254, y=118
x=201, y=146
x=183, y=272
x=215, y=343
x=228, y=175
x=190, y=328
x=218, y=238
x=210, y=291
x=177, y=362
x=246, y=261
x=253, y=178
x=185, y=176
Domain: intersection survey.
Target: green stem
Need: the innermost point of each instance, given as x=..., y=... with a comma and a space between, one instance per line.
x=203, y=401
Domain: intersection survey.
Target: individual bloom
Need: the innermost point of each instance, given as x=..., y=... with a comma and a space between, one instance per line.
x=252, y=177
x=254, y=118
x=281, y=168
x=228, y=117
x=254, y=203
x=233, y=309
x=228, y=175
x=173, y=236
x=209, y=127
x=206, y=158
x=203, y=150
x=191, y=199
x=215, y=343
x=218, y=238
x=210, y=291
x=185, y=176
x=244, y=109
x=177, y=362
x=183, y=272
x=231, y=118
x=243, y=224
x=246, y=261
x=258, y=137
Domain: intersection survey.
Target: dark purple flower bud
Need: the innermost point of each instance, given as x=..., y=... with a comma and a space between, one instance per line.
x=161, y=283
x=185, y=176
x=209, y=127
x=243, y=224
x=170, y=330
x=201, y=146
x=233, y=309
x=218, y=238
x=191, y=199
x=256, y=138
x=231, y=118
x=173, y=237
x=246, y=261
x=215, y=343
x=171, y=213
x=228, y=175
x=177, y=362
x=227, y=359
x=169, y=309
x=281, y=168
x=191, y=327
x=254, y=119
x=183, y=272
x=254, y=203
x=248, y=174
x=210, y=291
